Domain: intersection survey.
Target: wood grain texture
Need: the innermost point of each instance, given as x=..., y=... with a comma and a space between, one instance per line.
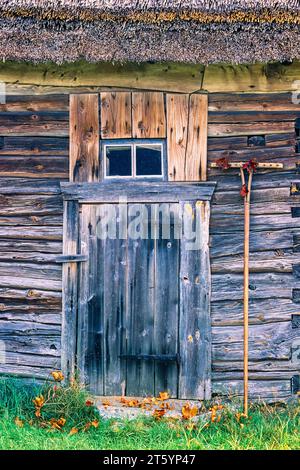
x=84, y=138
x=177, y=134
x=116, y=122
x=196, y=152
x=148, y=115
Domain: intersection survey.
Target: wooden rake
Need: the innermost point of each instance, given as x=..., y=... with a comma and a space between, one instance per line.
x=246, y=194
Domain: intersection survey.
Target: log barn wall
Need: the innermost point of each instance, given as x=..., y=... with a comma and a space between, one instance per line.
x=34, y=160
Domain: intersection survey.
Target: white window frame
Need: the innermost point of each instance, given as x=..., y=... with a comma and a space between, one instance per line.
x=133, y=146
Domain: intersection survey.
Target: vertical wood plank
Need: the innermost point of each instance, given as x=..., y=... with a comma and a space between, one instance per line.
x=195, y=341
x=84, y=138
x=69, y=290
x=140, y=313
x=116, y=115
x=196, y=152
x=148, y=115
x=166, y=303
x=115, y=292
x=177, y=130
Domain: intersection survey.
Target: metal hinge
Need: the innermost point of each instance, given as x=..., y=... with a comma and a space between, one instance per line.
x=295, y=384
x=152, y=357
x=71, y=259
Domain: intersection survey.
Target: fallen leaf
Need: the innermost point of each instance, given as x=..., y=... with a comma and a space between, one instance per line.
x=19, y=422
x=73, y=431
x=189, y=411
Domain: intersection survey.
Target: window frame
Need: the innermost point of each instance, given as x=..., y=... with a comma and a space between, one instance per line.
x=133, y=143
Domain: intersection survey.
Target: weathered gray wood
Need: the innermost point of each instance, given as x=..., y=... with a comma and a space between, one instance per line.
x=33, y=205
x=71, y=259
x=166, y=316
x=137, y=192
x=29, y=283
x=26, y=186
x=69, y=318
x=26, y=232
x=34, y=145
x=271, y=390
x=267, y=341
x=141, y=305
x=34, y=166
x=277, y=260
x=31, y=270
x=230, y=312
x=194, y=329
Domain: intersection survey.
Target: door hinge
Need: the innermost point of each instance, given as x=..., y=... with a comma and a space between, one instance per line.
x=295, y=384
x=152, y=357
x=71, y=259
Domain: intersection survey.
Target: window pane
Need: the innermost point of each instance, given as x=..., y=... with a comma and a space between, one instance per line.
x=148, y=160
x=118, y=161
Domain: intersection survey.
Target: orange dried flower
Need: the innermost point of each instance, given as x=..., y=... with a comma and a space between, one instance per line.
x=58, y=376
x=189, y=411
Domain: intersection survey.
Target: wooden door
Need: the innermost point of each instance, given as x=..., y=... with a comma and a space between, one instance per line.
x=143, y=296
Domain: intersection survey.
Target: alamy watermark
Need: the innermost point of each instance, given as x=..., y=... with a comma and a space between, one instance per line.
x=2, y=93
x=154, y=221
x=296, y=92
x=2, y=352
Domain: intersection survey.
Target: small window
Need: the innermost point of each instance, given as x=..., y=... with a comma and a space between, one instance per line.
x=133, y=160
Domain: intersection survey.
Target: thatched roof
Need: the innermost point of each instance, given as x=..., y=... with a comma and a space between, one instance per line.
x=202, y=31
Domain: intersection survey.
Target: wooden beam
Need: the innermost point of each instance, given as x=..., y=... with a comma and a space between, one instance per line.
x=84, y=138
x=184, y=78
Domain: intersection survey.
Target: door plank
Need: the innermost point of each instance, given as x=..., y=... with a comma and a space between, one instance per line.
x=195, y=342
x=140, y=313
x=166, y=305
x=177, y=118
x=196, y=152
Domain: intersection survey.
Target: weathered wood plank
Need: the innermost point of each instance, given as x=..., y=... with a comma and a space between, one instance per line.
x=262, y=286
x=252, y=102
x=30, y=270
x=70, y=290
x=11, y=205
x=26, y=186
x=26, y=232
x=229, y=245
x=271, y=390
x=32, y=145
x=194, y=328
x=251, y=128
x=29, y=283
x=28, y=247
x=116, y=115
x=266, y=342
x=138, y=192
x=38, y=124
x=177, y=133
x=25, y=78
x=281, y=260
x=261, y=311
x=148, y=115
x=84, y=137
x=35, y=103
x=196, y=152
x=39, y=345
x=33, y=166
x=166, y=316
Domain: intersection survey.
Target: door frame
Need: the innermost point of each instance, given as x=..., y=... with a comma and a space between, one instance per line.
x=76, y=194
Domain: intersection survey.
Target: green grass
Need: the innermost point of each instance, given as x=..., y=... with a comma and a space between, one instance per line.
x=276, y=427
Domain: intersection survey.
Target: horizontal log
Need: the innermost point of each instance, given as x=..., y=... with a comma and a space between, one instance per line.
x=264, y=261
x=29, y=283
x=35, y=103
x=253, y=376
x=261, y=154
x=42, y=258
x=266, y=342
x=250, y=128
x=34, y=145
x=261, y=286
x=241, y=142
x=271, y=390
x=228, y=244
x=36, y=124
x=241, y=116
x=26, y=232
x=27, y=328
x=234, y=222
x=30, y=247
x=83, y=77
x=31, y=295
x=11, y=205
x=34, y=166
x=252, y=102
x=17, y=316
x=268, y=367
x=32, y=270
x=31, y=220
x=230, y=312
x=26, y=186
x=34, y=360
x=34, y=344
x=271, y=195
x=274, y=179
x=36, y=373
